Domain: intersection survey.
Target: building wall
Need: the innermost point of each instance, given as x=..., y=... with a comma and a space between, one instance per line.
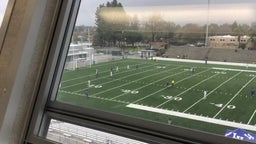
x=223, y=42
x=226, y=41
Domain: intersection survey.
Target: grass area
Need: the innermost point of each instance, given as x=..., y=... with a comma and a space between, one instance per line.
x=144, y=83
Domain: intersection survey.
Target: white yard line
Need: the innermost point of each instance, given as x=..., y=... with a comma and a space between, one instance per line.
x=188, y=89
x=117, y=79
x=251, y=117
x=135, y=81
x=151, y=84
x=217, y=68
x=165, y=88
x=102, y=78
x=81, y=95
x=193, y=117
x=212, y=91
x=233, y=97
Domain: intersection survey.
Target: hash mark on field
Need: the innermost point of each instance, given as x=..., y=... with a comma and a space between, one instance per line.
x=211, y=92
x=234, y=97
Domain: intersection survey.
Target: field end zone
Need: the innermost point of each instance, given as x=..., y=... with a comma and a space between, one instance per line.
x=193, y=117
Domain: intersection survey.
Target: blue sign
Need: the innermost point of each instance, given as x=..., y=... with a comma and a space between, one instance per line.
x=241, y=135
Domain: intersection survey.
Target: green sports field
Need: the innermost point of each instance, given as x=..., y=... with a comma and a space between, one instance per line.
x=141, y=92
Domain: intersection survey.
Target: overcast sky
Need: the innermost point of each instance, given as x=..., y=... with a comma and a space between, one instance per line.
x=178, y=11
x=3, y=4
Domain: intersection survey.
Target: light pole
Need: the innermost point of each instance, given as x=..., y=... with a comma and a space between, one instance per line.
x=122, y=44
x=206, y=33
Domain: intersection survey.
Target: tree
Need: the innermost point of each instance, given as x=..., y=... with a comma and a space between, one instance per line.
x=240, y=30
x=155, y=25
x=213, y=29
x=133, y=37
x=224, y=29
x=134, y=23
x=111, y=20
x=252, y=40
x=191, y=33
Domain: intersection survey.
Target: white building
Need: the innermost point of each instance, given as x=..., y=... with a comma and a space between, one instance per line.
x=227, y=41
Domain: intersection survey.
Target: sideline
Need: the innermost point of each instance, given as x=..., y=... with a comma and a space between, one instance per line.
x=193, y=117
x=241, y=70
x=208, y=62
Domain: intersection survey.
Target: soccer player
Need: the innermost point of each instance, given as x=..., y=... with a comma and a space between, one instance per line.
x=205, y=60
x=193, y=69
x=173, y=82
x=89, y=83
x=117, y=69
x=169, y=121
x=252, y=92
x=168, y=85
x=111, y=73
x=128, y=67
x=86, y=93
x=205, y=94
x=97, y=72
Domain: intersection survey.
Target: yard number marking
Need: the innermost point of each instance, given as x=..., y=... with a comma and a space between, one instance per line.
x=231, y=107
x=172, y=98
x=129, y=91
x=252, y=75
x=220, y=72
x=96, y=86
x=221, y=105
x=160, y=67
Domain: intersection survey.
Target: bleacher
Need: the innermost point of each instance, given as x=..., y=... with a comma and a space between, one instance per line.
x=67, y=133
x=213, y=54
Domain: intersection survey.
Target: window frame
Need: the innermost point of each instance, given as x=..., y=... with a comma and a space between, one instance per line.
x=5, y=22
x=66, y=18
x=46, y=108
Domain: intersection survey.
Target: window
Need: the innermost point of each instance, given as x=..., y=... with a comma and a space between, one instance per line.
x=132, y=67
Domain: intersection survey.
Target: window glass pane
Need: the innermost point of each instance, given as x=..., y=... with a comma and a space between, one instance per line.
x=67, y=133
x=3, y=6
x=186, y=63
